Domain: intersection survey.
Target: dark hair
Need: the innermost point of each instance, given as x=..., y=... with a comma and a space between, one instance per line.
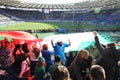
x=23, y=56
x=112, y=45
x=25, y=48
x=60, y=43
x=57, y=58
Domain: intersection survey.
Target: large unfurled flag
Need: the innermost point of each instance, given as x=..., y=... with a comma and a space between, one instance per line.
x=21, y=35
x=78, y=40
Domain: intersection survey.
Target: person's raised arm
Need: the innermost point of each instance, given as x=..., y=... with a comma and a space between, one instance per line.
x=97, y=43
x=52, y=43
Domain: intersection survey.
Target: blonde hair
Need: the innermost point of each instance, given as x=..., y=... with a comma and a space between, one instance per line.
x=83, y=53
x=61, y=73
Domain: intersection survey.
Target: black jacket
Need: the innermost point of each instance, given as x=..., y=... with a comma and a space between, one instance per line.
x=108, y=60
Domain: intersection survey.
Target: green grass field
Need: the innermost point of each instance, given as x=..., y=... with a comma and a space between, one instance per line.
x=55, y=25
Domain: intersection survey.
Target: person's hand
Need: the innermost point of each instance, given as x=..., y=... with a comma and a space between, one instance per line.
x=69, y=41
x=95, y=33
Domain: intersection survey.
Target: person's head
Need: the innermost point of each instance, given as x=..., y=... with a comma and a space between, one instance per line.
x=97, y=73
x=57, y=59
x=25, y=48
x=45, y=47
x=111, y=45
x=83, y=54
x=61, y=73
x=41, y=62
x=36, y=51
x=23, y=56
x=60, y=43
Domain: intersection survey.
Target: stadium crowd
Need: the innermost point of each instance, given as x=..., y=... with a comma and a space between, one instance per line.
x=104, y=17
x=21, y=61
x=18, y=61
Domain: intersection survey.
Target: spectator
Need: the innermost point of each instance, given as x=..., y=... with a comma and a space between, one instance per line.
x=25, y=66
x=59, y=49
x=34, y=57
x=80, y=65
x=56, y=63
x=25, y=48
x=70, y=58
x=17, y=44
x=97, y=73
x=61, y=73
x=109, y=57
x=35, y=54
x=40, y=71
x=6, y=57
x=47, y=54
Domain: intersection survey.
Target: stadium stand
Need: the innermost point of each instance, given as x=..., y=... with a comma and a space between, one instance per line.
x=81, y=12
x=106, y=16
